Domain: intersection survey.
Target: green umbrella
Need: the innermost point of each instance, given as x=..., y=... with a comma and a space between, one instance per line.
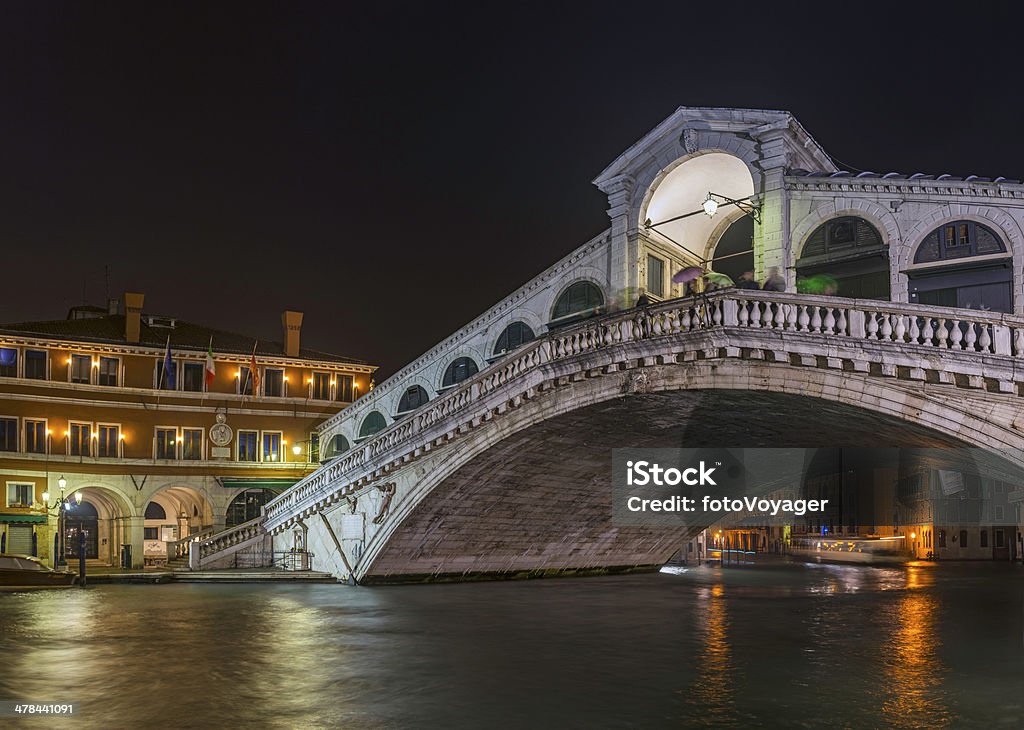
x=817, y=284
x=719, y=280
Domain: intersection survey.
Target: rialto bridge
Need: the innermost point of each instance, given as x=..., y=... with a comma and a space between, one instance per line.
x=490, y=454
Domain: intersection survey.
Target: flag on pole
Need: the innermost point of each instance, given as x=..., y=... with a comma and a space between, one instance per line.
x=169, y=370
x=255, y=373
x=211, y=369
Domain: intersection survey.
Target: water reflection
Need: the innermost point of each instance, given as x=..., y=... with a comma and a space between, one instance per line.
x=913, y=667
x=713, y=691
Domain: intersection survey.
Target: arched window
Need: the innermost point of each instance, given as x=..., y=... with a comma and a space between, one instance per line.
x=461, y=369
x=414, y=397
x=154, y=511
x=373, y=423
x=582, y=299
x=948, y=272
x=248, y=505
x=847, y=257
x=338, y=445
x=513, y=336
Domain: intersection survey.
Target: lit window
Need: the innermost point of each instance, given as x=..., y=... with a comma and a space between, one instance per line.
x=247, y=446
x=273, y=382
x=20, y=494
x=81, y=369
x=271, y=446
x=35, y=436
x=515, y=335
x=8, y=362
x=35, y=364
x=80, y=439
x=8, y=434
x=166, y=443
x=193, y=375
x=108, y=370
x=321, y=386
x=244, y=380
x=344, y=389
x=108, y=440
x=192, y=444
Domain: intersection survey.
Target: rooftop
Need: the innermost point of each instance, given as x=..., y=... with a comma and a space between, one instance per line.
x=96, y=325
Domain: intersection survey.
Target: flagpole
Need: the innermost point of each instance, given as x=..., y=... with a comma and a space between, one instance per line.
x=160, y=377
x=202, y=400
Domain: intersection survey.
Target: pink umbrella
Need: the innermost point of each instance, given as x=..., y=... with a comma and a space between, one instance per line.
x=688, y=274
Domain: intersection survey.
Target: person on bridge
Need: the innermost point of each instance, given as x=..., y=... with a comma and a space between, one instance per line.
x=747, y=281
x=774, y=280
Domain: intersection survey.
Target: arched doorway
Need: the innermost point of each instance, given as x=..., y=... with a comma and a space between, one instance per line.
x=172, y=514
x=81, y=520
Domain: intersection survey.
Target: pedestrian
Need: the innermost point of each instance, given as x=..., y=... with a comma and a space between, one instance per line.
x=747, y=281
x=774, y=280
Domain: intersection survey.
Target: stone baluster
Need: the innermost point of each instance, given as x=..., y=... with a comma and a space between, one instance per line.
x=900, y=330
x=942, y=334
x=802, y=320
x=985, y=339
x=871, y=325
x=971, y=336
x=743, y=314
x=829, y=323
x=766, y=315
x=841, y=322
x=685, y=320
x=913, y=332
x=780, y=316
x=886, y=330
x=815, y=318
x=956, y=334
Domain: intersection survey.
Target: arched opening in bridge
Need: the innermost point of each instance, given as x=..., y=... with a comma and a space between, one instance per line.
x=512, y=337
x=963, y=264
x=173, y=514
x=580, y=300
x=844, y=257
x=413, y=397
x=734, y=252
x=248, y=505
x=684, y=190
x=462, y=368
x=373, y=423
x=486, y=532
x=337, y=446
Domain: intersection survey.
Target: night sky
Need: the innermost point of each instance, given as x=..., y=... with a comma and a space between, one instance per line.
x=394, y=170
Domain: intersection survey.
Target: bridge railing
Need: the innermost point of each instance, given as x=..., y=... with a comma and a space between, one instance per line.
x=876, y=321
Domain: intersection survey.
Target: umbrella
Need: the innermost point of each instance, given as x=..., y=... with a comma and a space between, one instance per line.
x=817, y=284
x=719, y=280
x=688, y=274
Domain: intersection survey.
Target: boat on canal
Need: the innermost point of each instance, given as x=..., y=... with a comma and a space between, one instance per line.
x=849, y=549
x=25, y=571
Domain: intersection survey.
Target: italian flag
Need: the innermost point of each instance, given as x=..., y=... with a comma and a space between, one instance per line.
x=211, y=369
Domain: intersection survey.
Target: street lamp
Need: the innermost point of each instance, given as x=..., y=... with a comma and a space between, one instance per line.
x=715, y=200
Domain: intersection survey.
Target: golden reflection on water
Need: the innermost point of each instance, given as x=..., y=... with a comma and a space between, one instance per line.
x=913, y=668
x=713, y=690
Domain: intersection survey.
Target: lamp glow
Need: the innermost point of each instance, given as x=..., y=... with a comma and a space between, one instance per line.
x=78, y=497
x=913, y=535
x=62, y=482
x=46, y=497
x=296, y=449
x=710, y=206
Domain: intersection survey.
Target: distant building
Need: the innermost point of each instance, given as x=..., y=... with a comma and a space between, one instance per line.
x=157, y=451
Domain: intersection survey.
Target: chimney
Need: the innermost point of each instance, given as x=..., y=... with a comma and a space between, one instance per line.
x=132, y=315
x=292, y=323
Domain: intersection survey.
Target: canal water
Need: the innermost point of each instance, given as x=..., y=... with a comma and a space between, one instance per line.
x=782, y=645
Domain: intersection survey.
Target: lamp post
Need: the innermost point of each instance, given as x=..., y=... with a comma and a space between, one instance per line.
x=58, y=542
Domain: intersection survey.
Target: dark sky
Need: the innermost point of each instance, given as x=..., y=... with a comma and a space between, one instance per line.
x=394, y=170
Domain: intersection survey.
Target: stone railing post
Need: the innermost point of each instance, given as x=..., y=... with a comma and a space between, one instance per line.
x=730, y=313
x=193, y=555
x=1001, y=339
x=857, y=328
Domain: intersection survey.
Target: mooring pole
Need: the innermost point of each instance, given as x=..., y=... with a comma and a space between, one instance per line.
x=81, y=557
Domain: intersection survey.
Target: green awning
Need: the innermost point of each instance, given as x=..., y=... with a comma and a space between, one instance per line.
x=257, y=483
x=22, y=518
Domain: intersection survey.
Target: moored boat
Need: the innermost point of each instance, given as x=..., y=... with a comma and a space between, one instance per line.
x=25, y=571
